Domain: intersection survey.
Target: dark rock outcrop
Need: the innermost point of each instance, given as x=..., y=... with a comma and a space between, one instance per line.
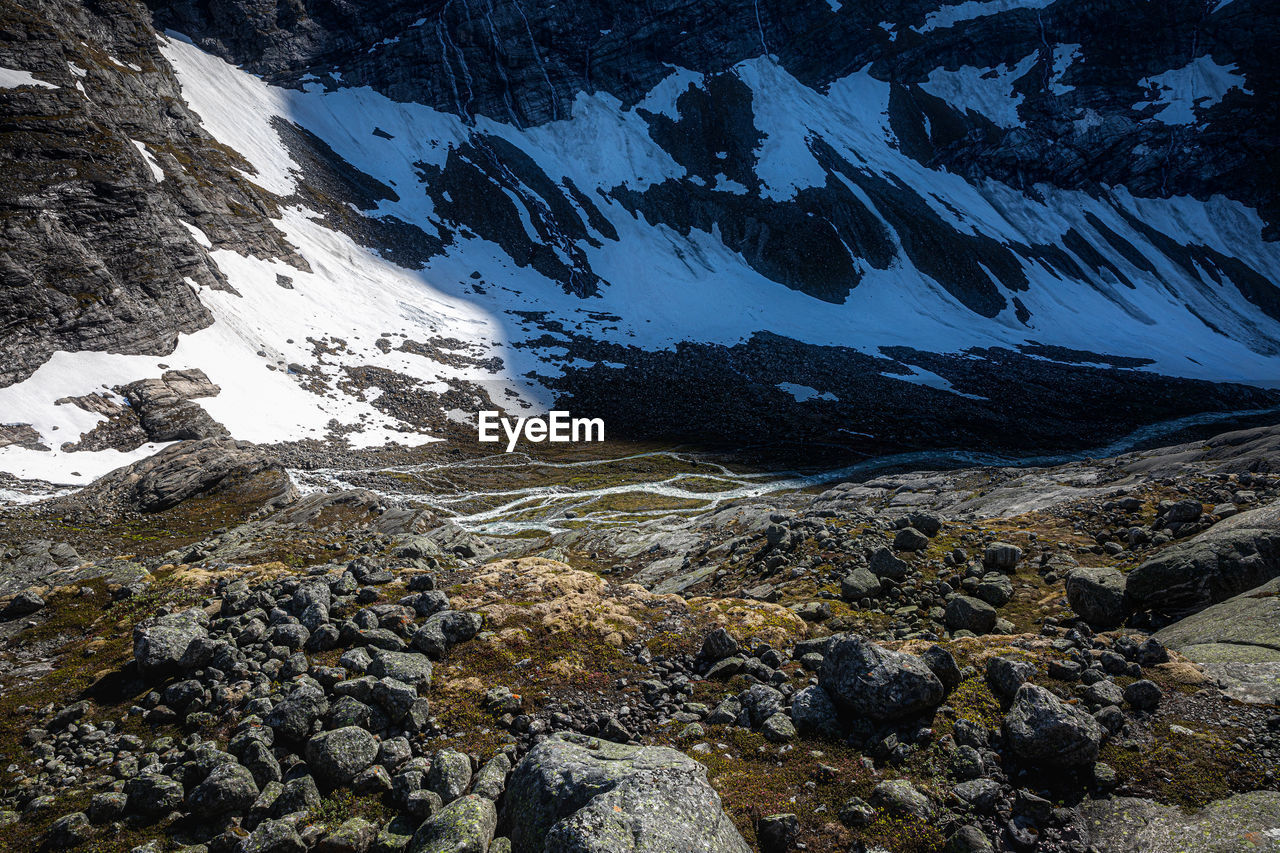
x=235, y=471
x=1232, y=557
x=96, y=256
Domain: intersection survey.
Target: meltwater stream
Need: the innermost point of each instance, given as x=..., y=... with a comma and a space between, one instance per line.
x=705, y=485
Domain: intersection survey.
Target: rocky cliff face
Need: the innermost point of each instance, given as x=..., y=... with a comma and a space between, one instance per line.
x=103, y=165
x=1093, y=75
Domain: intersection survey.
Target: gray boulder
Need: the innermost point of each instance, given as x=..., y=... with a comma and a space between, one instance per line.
x=900, y=798
x=409, y=667
x=275, y=836
x=572, y=793
x=338, y=756
x=228, y=788
x=464, y=826
x=450, y=775
x=813, y=712
x=859, y=584
x=158, y=646
x=442, y=631
x=292, y=718
x=23, y=604
x=1236, y=641
x=910, y=539
x=718, y=645
x=1230, y=558
x=153, y=794
x=995, y=589
x=236, y=470
x=877, y=683
x=965, y=613
x=1042, y=729
x=1096, y=594
x=885, y=564
x=1001, y=556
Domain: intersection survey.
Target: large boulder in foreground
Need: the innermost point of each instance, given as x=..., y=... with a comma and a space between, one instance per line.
x=236, y=471
x=1240, y=823
x=877, y=683
x=1042, y=729
x=1231, y=557
x=572, y=793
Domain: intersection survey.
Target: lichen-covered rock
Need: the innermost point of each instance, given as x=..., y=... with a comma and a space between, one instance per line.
x=409, y=667
x=1042, y=729
x=228, y=788
x=1096, y=593
x=1237, y=824
x=338, y=756
x=571, y=793
x=859, y=584
x=450, y=775
x=464, y=826
x=877, y=683
x=353, y=835
x=159, y=645
x=813, y=712
x=442, y=631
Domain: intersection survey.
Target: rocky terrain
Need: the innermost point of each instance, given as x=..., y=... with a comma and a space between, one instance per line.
x=937, y=344
x=1077, y=658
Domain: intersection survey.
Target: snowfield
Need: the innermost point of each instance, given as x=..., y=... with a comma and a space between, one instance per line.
x=661, y=287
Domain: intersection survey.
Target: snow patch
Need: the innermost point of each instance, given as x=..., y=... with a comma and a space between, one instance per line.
x=1063, y=57
x=1199, y=84
x=156, y=171
x=949, y=16
x=920, y=376
x=988, y=91
x=803, y=393
x=11, y=78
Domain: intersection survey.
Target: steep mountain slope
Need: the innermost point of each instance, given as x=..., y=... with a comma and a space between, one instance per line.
x=1014, y=223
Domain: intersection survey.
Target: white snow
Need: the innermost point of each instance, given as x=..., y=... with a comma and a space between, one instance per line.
x=988, y=91
x=803, y=393
x=11, y=78
x=156, y=171
x=949, y=16
x=198, y=235
x=1063, y=56
x=920, y=376
x=664, y=287
x=1199, y=84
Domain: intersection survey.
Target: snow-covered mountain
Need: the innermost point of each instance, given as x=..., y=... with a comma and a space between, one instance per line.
x=1013, y=223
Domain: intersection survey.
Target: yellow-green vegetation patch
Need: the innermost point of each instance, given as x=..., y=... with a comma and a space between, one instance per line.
x=1186, y=763
x=755, y=779
x=972, y=700
x=343, y=804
